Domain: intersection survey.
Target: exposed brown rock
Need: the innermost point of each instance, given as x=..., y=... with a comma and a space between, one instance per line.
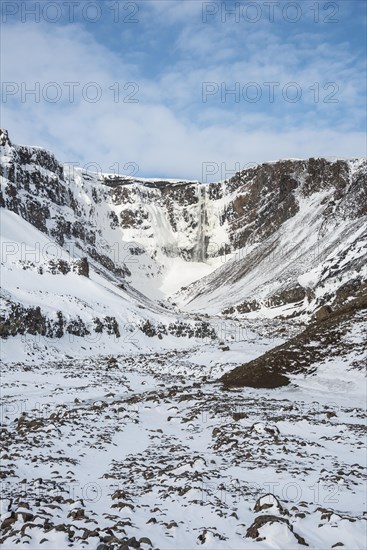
x=260, y=521
x=323, y=313
x=320, y=340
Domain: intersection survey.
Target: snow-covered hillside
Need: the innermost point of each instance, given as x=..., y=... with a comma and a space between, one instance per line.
x=278, y=238
x=183, y=363
x=299, y=267
x=51, y=304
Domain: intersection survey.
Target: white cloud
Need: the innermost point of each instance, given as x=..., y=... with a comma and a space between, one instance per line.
x=170, y=132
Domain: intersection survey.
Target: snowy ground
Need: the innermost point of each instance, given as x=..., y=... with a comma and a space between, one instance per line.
x=130, y=442
x=100, y=453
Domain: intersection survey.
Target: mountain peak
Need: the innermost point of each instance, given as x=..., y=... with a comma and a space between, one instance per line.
x=4, y=138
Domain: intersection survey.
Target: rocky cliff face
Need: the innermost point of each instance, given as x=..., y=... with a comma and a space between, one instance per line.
x=129, y=228
x=297, y=234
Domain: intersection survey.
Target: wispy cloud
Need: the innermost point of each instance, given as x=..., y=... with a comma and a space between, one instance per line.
x=151, y=109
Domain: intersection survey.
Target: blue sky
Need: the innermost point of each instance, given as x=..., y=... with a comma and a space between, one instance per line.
x=152, y=82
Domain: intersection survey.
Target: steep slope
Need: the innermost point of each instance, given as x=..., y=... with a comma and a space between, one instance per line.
x=301, y=249
x=277, y=239
x=254, y=237
x=53, y=302
x=336, y=343
x=130, y=228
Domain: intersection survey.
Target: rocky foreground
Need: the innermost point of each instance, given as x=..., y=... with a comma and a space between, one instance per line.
x=151, y=451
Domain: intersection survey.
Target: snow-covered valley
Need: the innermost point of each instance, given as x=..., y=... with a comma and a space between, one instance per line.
x=143, y=451
x=183, y=364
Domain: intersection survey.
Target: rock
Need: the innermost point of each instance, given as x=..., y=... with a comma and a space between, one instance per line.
x=110, y=539
x=287, y=295
x=237, y=416
x=347, y=290
x=263, y=428
x=83, y=267
x=323, y=313
x=88, y=533
x=132, y=542
x=23, y=505
x=171, y=524
x=262, y=377
x=4, y=138
x=152, y=520
x=269, y=501
x=145, y=540
x=260, y=521
x=8, y=522
x=24, y=516
x=77, y=514
x=202, y=537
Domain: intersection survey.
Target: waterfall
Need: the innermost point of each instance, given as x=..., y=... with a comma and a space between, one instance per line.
x=200, y=254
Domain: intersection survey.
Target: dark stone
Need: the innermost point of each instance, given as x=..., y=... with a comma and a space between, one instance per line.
x=260, y=521
x=260, y=507
x=8, y=522
x=132, y=542
x=255, y=378
x=323, y=313
x=83, y=267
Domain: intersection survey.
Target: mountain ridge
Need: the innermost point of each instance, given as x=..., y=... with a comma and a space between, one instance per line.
x=275, y=240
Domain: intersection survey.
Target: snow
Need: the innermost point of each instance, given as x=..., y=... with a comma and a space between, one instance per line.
x=176, y=470
x=180, y=273
x=74, y=295
x=305, y=256
x=189, y=457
